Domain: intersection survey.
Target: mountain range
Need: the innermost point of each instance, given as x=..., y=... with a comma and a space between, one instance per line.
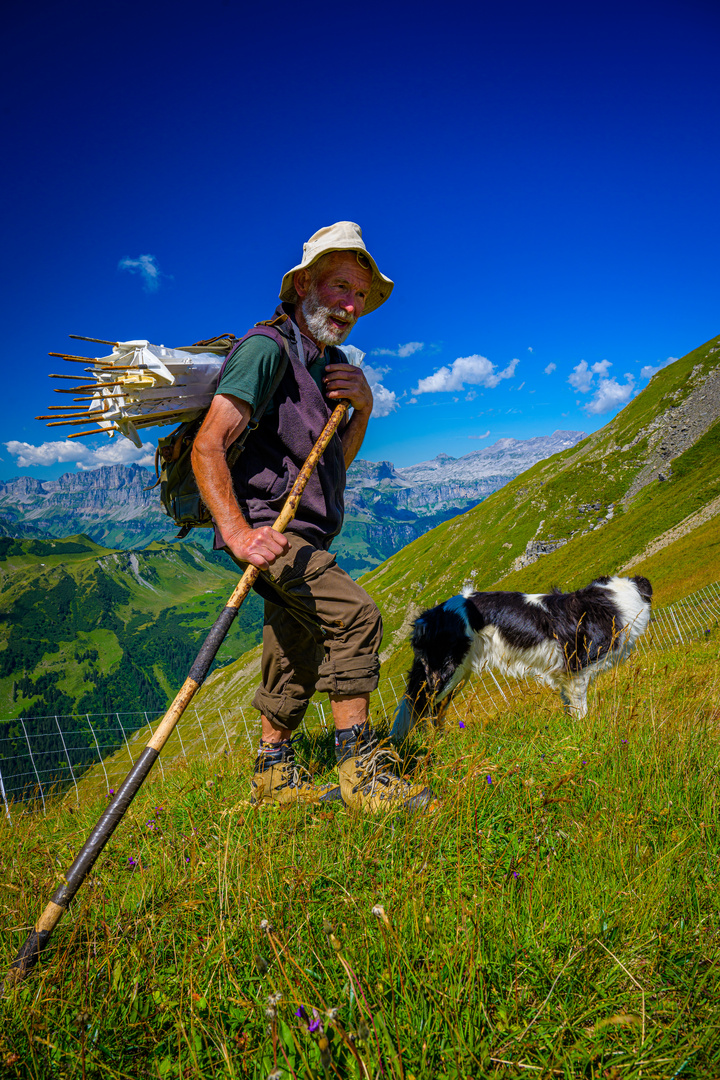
x=117, y=506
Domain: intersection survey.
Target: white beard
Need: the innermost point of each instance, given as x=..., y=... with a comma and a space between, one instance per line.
x=317, y=316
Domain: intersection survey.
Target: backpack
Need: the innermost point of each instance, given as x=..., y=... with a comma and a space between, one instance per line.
x=179, y=492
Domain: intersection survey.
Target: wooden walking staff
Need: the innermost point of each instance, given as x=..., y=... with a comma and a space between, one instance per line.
x=38, y=938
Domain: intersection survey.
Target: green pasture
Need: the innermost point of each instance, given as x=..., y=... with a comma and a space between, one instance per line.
x=557, y=916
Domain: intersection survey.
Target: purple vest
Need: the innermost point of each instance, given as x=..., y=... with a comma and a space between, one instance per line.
x=276, y=451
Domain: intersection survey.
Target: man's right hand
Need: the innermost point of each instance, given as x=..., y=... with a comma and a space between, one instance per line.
x=259, y=547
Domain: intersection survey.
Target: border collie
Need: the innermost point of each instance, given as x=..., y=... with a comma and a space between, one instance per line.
x=561, y=639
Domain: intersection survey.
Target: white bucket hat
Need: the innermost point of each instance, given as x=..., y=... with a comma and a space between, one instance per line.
x=342, y=236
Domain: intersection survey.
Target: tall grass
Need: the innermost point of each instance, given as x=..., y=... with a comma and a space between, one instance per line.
x=557, y=916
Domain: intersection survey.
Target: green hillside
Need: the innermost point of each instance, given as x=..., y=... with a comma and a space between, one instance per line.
x=604, y=497
x=84, y=629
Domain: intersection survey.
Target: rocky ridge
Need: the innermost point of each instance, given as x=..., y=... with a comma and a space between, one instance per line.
x=680, y=426
x=386, y=507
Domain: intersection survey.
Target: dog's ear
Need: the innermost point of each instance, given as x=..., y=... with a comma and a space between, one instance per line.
x=643, y=587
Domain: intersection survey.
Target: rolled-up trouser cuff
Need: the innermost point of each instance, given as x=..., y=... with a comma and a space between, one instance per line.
x=281, y=710
x=351, y=675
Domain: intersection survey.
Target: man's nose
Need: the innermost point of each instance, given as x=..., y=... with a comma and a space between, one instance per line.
x=356, y=304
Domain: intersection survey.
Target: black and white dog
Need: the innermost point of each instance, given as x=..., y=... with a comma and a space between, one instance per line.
x=561, y=639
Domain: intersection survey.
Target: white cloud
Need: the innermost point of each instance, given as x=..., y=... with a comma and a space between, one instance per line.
x=581, y=377
x=480, y=436
x=521, y=385
x=530, y=348
x=550, y=368
x=412, y=401
x=648, y=371
x=471, y=370
x=609, y=395
x=402, y=350
x=148, y=269
x=384, y=400
x=471, y=395
x=119, y=451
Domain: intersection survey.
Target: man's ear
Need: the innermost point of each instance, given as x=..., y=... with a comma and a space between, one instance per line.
x=301, y=281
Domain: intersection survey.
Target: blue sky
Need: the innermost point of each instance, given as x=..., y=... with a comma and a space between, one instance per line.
x=541, y=182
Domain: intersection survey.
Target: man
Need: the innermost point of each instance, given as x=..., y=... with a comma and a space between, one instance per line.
x=322, y=631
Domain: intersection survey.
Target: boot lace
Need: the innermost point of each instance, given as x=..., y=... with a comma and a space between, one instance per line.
x=294, y=775
x=375, y=761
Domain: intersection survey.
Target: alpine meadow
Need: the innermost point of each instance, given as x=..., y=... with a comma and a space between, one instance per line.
x=557, y=916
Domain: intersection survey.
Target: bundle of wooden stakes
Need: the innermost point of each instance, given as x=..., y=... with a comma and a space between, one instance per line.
x=138, y=385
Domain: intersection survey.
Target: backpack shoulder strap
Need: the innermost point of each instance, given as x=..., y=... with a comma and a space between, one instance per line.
x=236, y=448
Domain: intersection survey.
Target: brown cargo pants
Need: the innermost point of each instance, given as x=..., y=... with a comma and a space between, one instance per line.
x=323, y=634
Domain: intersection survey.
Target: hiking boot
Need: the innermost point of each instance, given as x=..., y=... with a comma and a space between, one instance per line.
x=278, y=779
x=367, y=779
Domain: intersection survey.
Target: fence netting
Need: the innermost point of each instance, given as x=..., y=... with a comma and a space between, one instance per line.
x=43, y=756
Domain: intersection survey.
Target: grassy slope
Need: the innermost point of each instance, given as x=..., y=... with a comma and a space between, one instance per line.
x=683, y=567
x=73, y=611
x=559, y=912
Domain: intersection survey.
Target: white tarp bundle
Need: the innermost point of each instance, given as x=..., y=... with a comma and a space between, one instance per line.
x=142, y=385
x=157, y=386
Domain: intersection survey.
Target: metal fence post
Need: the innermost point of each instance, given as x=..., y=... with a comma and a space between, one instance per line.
x=202, y=730
x=247, y=729
x=382, y=701
x=32, y=762
x=4, y=798
x=502, y=695
x=679, y=632
x=321, y=711
x=100, y=757
x=222, y=721
x=62, y=740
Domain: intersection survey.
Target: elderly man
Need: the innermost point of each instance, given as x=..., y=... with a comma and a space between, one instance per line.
x=321, y=630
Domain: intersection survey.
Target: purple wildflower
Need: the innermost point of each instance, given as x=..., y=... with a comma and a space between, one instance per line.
x=314, y=1025
x=460, y=724
x=300, y=1013
x=489, y=779
x=515, y=874
x=110, y=792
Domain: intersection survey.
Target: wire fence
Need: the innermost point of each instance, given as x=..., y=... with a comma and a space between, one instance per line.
x=43, y=756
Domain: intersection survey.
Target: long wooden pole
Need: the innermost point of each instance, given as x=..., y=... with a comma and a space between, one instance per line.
x=38, y=938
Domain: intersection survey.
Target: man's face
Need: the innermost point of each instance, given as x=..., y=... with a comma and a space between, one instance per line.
x=334, y=299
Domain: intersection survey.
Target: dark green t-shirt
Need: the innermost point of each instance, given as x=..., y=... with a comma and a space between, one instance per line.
x=251, y=370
